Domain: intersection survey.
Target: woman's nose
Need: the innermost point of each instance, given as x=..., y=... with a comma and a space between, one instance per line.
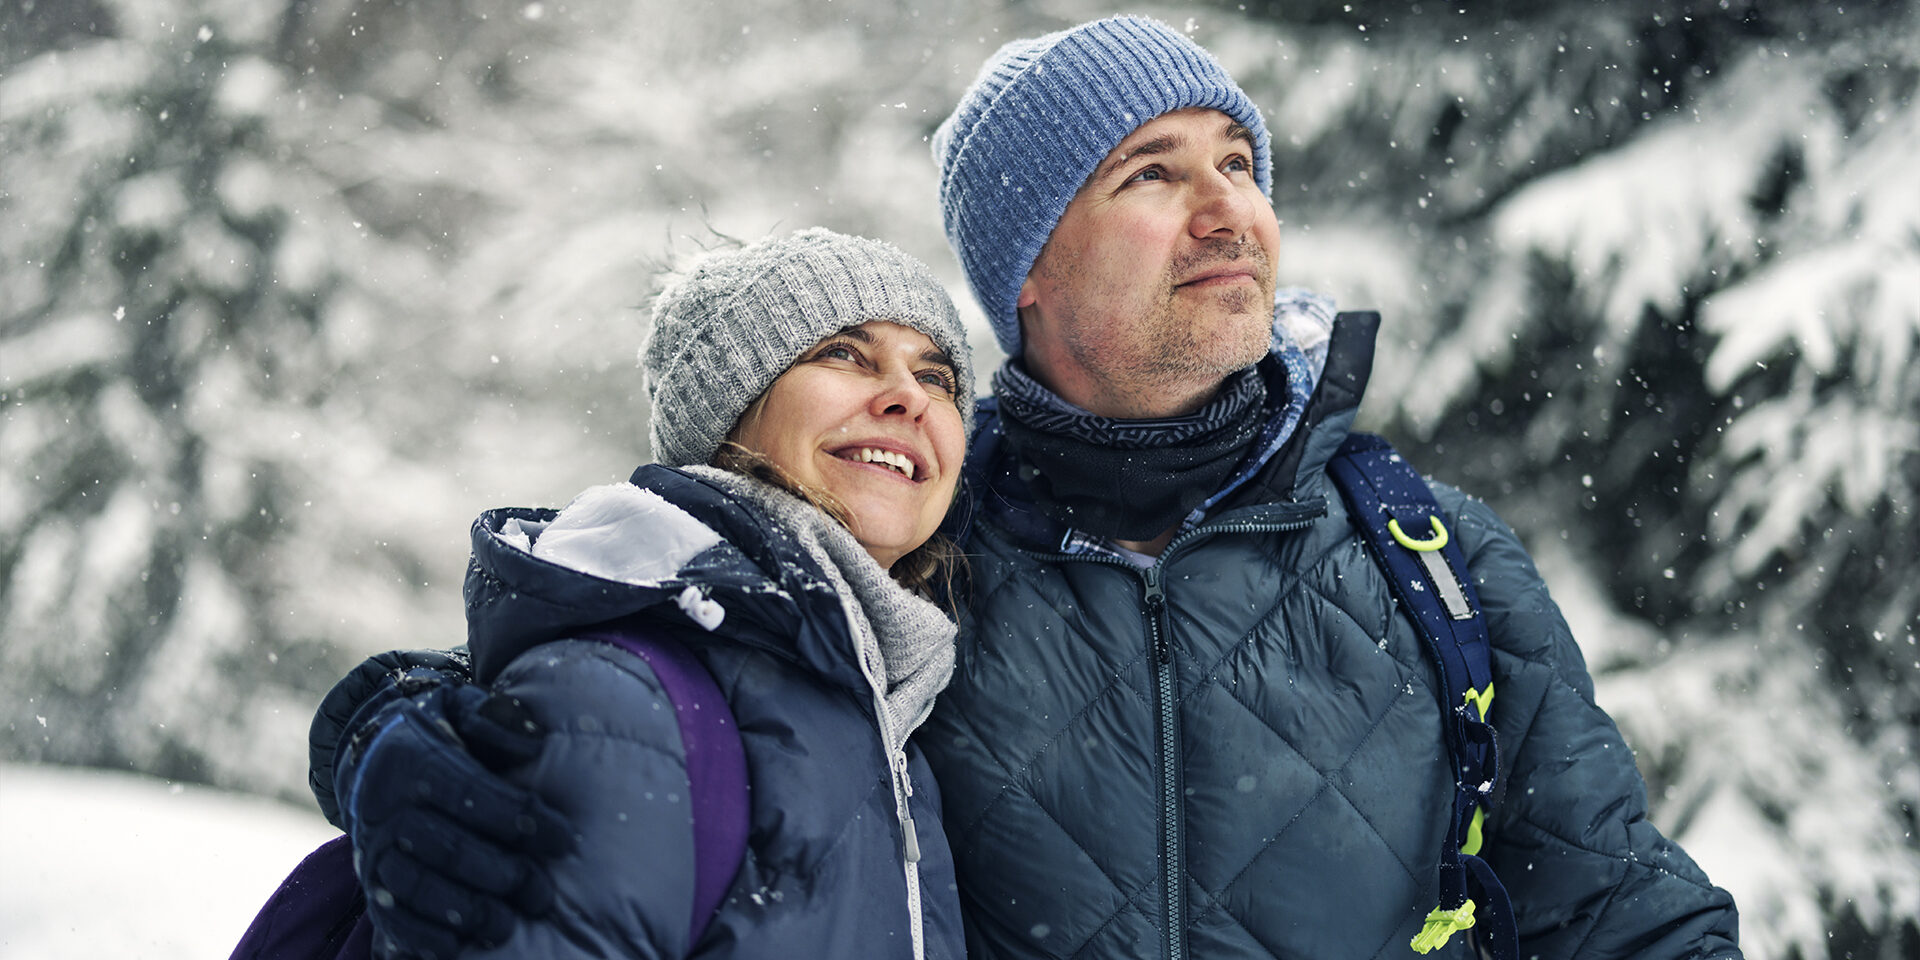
x=900, y=393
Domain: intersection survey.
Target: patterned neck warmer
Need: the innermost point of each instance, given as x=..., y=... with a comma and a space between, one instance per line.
x=1125, y=479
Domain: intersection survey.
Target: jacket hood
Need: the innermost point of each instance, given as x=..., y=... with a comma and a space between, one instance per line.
x=666, y=549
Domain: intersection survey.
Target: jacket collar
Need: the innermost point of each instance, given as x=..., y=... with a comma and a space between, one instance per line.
x=1276, y=473
x=773, y=593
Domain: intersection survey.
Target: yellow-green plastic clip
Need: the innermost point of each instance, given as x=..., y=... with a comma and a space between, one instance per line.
x=1476, y=832
x=1438, y=540
x=1482, y=700
x=1442, y=924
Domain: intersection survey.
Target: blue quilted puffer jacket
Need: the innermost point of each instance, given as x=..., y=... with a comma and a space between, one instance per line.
x=1237, y=752
x=825, y=874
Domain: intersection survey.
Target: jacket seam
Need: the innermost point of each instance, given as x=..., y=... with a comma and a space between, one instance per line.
x=1130, y=903
x=1214, y=904
x=1128, y=899
x=1266, y=616
x=1116, y=680
x=1013, y=777
x=1326, y=784
x=1627, y=862
x=1613, y=893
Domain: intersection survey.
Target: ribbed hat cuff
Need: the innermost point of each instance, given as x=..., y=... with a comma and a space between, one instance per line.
x=1037, y=122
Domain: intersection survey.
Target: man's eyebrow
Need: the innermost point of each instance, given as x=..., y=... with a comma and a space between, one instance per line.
x=1169, y=142
x=1164, y=143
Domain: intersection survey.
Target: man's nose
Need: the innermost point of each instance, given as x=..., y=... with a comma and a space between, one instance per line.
x=1220, y=207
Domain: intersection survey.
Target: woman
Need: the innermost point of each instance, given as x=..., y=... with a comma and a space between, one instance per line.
x=810, y=400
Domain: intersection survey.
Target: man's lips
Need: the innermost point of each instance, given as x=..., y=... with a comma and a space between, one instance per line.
x=1223, y=275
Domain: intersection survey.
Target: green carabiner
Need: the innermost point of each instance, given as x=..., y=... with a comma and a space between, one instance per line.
x=1438, y=540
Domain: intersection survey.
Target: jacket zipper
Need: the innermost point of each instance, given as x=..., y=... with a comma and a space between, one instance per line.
x=901, y=783
x=1166, y=703
x=910, y=841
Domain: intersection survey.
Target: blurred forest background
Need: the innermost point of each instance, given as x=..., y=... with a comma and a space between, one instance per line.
x=291, y=289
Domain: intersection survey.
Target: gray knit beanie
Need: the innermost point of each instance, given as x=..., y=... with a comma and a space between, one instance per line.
x=735, y=320
x=1040, y=117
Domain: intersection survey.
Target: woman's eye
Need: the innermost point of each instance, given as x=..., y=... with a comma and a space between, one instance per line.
x=836, y=351
x=938, y=378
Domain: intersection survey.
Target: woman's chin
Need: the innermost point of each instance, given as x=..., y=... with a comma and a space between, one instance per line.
x=887, y=539
x=884, y=516
x=885, y=550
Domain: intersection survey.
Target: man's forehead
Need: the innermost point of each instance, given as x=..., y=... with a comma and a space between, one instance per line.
x=1163, y=134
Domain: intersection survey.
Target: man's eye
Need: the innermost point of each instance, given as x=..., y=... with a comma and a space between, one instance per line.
x=1150, y=173
x=1239, y=165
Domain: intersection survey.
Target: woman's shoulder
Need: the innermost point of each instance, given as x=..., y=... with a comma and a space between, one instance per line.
x=592, y=687
x=613, y=764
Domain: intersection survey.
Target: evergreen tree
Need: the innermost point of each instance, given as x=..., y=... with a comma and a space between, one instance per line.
x=295, y=287
x=209, y=370
x=1650, y=276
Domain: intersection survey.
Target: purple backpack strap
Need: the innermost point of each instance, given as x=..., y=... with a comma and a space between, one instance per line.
x=716, y=763
x=317, y=914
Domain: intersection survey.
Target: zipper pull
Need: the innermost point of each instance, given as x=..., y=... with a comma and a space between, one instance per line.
x=908, y=835
x=912, y=837
x=1156, y=597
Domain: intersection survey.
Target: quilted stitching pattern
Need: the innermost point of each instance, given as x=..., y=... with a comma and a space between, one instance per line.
x=1318, y=783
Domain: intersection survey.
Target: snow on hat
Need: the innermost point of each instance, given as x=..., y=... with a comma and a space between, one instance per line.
x=735, y=320
x=1039, y=118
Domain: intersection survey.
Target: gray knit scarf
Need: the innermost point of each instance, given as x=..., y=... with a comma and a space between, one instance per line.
x=905, y=643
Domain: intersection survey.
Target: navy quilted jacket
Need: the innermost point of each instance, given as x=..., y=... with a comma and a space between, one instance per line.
x=1269, y=779
x=824, y=875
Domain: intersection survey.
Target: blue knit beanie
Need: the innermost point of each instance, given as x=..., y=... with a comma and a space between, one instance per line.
x=1039, y=118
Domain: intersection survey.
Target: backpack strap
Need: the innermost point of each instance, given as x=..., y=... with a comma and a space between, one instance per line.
x=317, y=914
x=716, y=763
x=1397, y=516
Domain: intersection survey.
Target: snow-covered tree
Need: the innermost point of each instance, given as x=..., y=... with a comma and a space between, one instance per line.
x=296, y=287
x=225, y=239
x=1652, y=280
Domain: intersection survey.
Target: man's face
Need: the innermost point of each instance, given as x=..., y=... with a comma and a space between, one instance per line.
x=1158, y=280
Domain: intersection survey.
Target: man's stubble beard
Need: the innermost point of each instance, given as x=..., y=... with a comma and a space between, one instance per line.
x=1179, y=350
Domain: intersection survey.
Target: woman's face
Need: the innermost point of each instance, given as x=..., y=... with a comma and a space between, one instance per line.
x=868, y=415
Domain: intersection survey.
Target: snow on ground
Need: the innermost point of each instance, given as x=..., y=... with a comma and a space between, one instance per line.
x=101, y=864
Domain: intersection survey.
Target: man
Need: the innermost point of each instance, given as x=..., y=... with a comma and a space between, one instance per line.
x=1188, y=719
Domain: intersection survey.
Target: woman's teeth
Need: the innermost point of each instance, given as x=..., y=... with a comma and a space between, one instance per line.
x=897, y=461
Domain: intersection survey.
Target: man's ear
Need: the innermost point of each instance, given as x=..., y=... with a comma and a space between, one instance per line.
x=1027, y=293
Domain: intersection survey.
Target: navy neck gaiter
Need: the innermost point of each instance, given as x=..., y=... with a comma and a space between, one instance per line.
x=1124, y=479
